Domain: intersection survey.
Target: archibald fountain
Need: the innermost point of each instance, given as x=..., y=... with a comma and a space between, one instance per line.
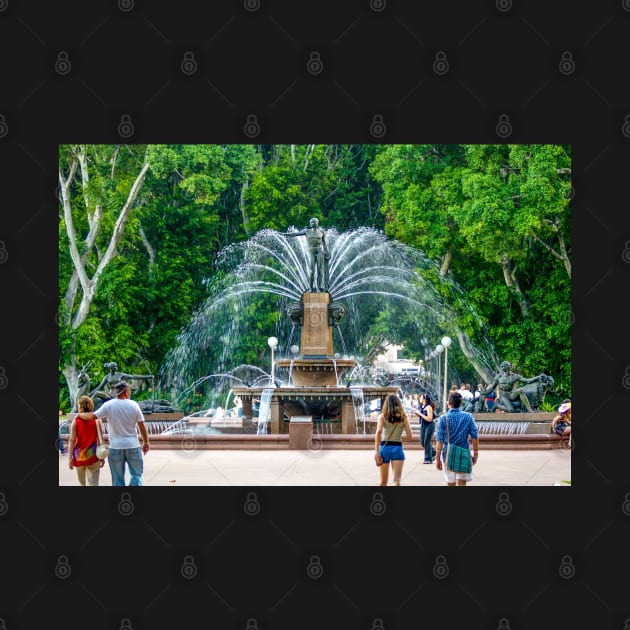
x=329, y=285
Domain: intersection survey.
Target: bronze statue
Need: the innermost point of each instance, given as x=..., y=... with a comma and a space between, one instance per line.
x=512, y=398
x=535, y=392
x=319, y=255
x=336, y=311
x=101, y=393
x=83, y=385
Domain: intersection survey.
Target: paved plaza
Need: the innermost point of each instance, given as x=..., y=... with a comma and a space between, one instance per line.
x=331, y=468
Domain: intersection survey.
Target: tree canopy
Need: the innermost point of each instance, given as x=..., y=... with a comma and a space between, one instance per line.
x=140, y=228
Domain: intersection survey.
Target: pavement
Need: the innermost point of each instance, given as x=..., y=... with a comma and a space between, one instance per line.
x=331, y=468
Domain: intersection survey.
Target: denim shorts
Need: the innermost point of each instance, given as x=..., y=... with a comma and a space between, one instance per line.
x=388, y=453
x=560, y=427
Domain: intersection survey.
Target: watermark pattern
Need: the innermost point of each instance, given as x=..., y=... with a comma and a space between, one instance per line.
x=252, y=127
x=504, y=126
x=378, y=128
x=63, y=66
x=314, y=65
x=566, y=570
x=378, y=507
x=125, y=505
x=251, y=507
x=441, y=65
x=189, y=568
x=189, y=63
x=567, y=63
x=125, y=127
x=504, y=505
x=63, y=570
x=4, y=506
x=314, y=569
x=441, y=569
x=378, y=6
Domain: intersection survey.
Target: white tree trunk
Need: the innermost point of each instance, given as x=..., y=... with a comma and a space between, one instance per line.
x=247, y=226
x=511, y=279
x=71, y=374
x=88, y=285
x=466, y=348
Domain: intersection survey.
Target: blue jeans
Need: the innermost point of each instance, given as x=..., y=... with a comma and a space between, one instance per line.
x=426, y=433
x=133, y=458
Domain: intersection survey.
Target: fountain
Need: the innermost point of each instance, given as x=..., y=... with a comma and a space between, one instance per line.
x=365, y=274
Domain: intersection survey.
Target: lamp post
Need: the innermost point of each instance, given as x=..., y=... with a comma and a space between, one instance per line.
x=446, y=342
x=438, y=352
x=273, y=344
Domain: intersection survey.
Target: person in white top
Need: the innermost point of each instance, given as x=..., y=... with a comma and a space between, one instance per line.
x=124, y=418
x=465, y=392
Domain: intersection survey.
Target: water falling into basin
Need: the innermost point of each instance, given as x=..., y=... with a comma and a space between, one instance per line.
x=491, y=427
x=358, y=402
x=265, y=410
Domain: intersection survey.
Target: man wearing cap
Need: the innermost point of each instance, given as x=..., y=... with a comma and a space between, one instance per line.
x=123, y=414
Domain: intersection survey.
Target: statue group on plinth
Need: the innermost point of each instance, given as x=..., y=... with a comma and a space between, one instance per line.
x=515, y=393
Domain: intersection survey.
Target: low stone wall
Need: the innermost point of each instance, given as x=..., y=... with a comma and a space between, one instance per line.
x=535, y=416
x=149, y=416
x=186, y=442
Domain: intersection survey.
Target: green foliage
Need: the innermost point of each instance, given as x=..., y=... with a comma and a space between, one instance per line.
x=492, y=214
x=494, y=218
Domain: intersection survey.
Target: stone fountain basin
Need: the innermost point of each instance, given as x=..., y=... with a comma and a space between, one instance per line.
x=316, y=372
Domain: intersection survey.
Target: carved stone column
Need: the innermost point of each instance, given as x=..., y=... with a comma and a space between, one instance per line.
x=316, y=340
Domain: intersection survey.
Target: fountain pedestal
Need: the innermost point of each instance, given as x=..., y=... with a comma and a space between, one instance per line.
x=314, y=388
x=300, y=432
x=316, y=367
x=316, y=339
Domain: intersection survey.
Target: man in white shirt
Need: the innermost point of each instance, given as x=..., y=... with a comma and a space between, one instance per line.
x=465, y=392
x=123, y=414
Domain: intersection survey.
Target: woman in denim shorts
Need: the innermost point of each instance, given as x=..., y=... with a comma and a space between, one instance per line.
x=388, y=447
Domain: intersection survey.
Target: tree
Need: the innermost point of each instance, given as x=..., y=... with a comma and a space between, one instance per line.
x=103, y=201
x=492, y=215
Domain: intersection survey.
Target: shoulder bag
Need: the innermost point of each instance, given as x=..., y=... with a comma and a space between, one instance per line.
x=102, y=450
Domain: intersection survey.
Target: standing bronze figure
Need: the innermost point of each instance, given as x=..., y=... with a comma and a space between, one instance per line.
x=319, y=255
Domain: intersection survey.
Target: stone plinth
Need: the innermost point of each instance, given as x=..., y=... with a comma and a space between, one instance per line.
x=535, y=416
x=300, y=432
x=316, y=339
x=169, y=415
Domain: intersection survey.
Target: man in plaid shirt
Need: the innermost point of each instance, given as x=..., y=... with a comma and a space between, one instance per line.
x=461, y=427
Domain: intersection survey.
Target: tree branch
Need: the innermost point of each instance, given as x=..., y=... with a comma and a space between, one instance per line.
x=89, y=286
